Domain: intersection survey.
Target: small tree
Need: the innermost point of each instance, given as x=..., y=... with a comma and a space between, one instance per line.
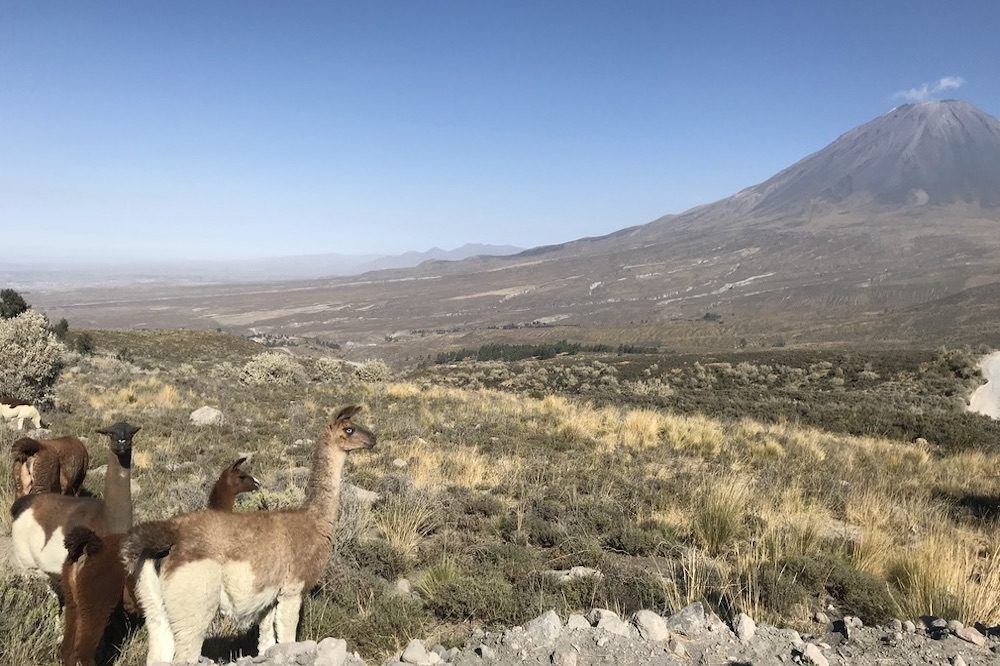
x=84, y=343
x=11, y=304
x=30, y=357
x=61, y=329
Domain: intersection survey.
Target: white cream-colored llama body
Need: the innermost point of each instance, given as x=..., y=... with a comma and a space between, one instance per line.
x=22, y=413
x=249, y=566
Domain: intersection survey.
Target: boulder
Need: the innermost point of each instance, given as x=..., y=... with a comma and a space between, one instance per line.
x=651, y=626
x=744, y=627
x=543, y=629
x=331, y=652
x=207, y=416
x=415, y=653
x=689, y=621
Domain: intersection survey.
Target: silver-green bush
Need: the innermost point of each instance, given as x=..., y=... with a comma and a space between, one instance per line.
x=30, y=357
x=269, y=368
x=373, y=370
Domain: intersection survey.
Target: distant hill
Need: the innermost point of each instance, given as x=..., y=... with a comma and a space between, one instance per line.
x=889, y=235
x=39, y=275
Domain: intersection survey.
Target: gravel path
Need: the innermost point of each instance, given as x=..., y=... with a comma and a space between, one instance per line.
x=688, y=637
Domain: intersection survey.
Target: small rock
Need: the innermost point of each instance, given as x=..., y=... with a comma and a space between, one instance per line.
x=415, y=653
x=331, y=652
x=957, y=660
x=207, y=416
x=287, y=651
x=895, y=625
x=399, y=463
x=563, y=658
x=938, y=623
x=821, y=617
x=954, y=626
x=573, y=573
x=360, y=495
x=813, y=654
x=439, y=650
x=651, y=626
x=677, y=648
x=971, y=635
x=401, y=586
x=601, y=641
x=744, y=627
x=615, y=625
x=577, y=621
x=909, y=627
x=543, y=629
x=597, y=614
x=690, y=621
x=486, y=652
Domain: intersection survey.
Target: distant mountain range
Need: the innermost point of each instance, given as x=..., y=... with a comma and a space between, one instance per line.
x=889, y=235
x=39, y=275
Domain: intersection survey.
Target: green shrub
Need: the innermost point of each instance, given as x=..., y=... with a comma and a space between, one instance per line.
x=857, y=593
x=488, y=598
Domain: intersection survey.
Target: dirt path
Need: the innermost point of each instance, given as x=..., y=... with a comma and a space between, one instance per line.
x=986, y=398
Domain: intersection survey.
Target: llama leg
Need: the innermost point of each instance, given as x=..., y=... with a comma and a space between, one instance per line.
x=69, y=629
x=149, y=594
x=287, y=616
x=191, y=596
x=20, y=423
x=37, y=420
x=265, y=636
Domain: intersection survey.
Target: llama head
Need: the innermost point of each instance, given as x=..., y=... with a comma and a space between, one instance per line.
x=238, y=480
x=346, y=433
x=121, y=435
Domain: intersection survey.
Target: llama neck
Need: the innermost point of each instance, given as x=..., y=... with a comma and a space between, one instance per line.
x=323, y=491
x=118, y=493
x=222, y=498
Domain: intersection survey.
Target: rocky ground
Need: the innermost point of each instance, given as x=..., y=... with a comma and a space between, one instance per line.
x=691, y=636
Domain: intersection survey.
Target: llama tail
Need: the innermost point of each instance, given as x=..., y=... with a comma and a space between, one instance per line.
x=24, y=448
x=81, y=540
x=148, y=541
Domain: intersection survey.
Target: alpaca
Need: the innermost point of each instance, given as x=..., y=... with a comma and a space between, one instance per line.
x=22, y=413
x=94, y=578
x=49, y=465
x=248, y=565
x=41, y=522
x=231, y=483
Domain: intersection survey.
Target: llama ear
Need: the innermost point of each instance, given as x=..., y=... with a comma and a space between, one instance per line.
x=236, y=465
x=102, y=431
x=133, y=430
x=346, y=413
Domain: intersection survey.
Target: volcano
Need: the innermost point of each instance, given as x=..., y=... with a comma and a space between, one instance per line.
x=890, y=234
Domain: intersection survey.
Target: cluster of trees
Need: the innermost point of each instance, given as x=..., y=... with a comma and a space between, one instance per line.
x=506, y=352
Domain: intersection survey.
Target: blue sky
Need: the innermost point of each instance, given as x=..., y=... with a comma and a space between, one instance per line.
x=240, y=129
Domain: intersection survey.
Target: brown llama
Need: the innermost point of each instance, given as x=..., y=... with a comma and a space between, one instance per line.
x=231, y=483
x=41, y=522
x=209, y=565
x=49, y=465
x=95, y=582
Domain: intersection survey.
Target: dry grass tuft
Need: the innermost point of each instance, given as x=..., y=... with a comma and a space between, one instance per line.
x=404, y=522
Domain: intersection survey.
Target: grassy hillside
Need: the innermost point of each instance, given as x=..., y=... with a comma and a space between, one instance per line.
x=484, y=486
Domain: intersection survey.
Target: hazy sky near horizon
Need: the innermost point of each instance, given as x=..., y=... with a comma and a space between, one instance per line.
x=193, y=129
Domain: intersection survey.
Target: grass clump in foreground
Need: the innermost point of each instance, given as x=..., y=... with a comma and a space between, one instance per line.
x=482, y=493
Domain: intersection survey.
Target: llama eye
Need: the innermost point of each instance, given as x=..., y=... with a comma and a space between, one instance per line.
x=349, y=431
